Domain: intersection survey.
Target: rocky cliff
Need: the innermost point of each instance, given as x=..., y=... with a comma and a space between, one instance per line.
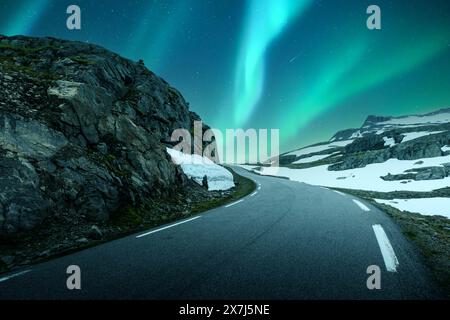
x=83, y=132
x=378, y=140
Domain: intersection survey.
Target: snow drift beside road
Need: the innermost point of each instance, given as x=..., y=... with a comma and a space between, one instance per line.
x=424, y=206
x=196, y=167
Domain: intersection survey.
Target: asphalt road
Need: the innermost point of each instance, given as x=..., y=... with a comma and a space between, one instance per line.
x=288, y=240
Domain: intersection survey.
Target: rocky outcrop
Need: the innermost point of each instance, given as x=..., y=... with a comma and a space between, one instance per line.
x=426, y=173
x=82, y=131
x=343, y=135
x=369, y=149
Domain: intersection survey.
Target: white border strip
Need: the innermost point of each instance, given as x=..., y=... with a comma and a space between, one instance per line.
x=232, y=204
x=14, y=275
x=389, y=257
x=167, y=227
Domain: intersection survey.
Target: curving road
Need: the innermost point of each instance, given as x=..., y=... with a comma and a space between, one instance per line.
x=288, y=240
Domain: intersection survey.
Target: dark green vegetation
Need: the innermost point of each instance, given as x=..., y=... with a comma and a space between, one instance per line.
x=430, y=234
x=22, y=59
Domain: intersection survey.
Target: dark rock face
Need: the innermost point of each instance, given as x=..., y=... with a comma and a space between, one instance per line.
x=343, y=134
x=427, y=173
x=370, y=142
x=371, y=120
x=364, y=151
x=81, y=131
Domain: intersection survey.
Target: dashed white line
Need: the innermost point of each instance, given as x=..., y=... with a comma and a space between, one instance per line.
x=167, y=227
x=389, y=257
x=254, y=193
x=232, y=204
x=338, y=192
x=361, y=205
x=14, y=275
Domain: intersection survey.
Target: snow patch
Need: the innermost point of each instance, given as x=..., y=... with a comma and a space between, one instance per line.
x=367, y=178
x=430, y=119
x=356, y=134
x=196, y=167
x=414, y=135
x=424, y=206
x=389, y=142
x=445, y=148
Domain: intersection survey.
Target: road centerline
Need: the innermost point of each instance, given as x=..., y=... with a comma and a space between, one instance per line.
x=167, y=227
x=232, y=204
x=338, y=192
x=361, y=205
x=389, y=257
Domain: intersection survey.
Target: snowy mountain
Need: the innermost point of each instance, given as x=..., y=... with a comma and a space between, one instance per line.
x=380, y=125
x=407, y=155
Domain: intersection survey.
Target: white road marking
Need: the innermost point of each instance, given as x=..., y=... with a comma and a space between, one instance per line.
x=259, y=187
x=389, y=257
x=14, y=275
x=254, y=193
x=338, y=192
x=167, y=227
x=232, y=204
x=361, y=205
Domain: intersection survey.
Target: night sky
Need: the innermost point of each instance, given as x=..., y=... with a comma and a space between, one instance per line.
x=309, y=68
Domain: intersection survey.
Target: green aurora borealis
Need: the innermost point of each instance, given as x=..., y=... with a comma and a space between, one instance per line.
x=307, y=67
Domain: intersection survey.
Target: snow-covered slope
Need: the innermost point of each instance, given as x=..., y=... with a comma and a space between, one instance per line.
x=414, y=135
x=432, y=118
x=379, y=125
x=367, y=178
x=196, y=167
x=426, y=206
x=386, y=154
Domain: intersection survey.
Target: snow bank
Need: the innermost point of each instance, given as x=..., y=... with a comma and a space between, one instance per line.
x=428, y=119
x=356, y=134
x=367, y=178
x=196, y=167
x=425, y=206
x=445, y=148
x=414, y=135
x=389, y=142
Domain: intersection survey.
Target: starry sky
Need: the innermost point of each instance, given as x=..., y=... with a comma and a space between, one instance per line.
x=306, y=67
